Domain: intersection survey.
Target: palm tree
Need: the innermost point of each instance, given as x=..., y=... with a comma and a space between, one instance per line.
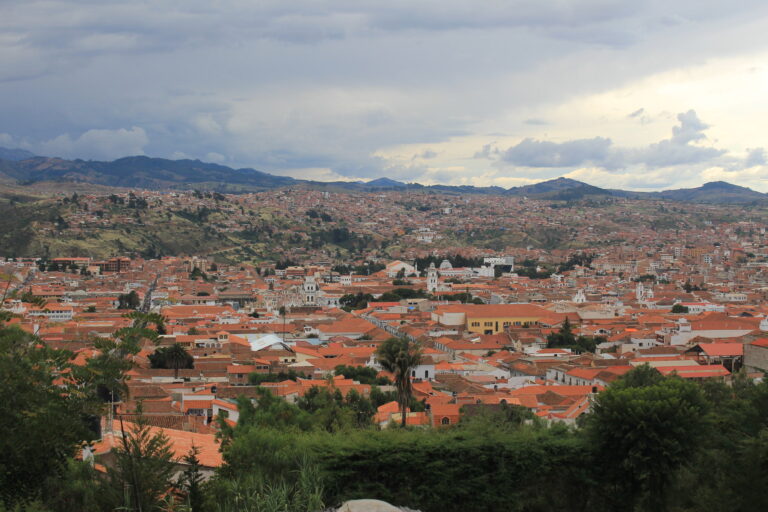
x=400, y=356
x=176, y=357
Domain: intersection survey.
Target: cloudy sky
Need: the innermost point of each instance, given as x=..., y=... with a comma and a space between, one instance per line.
x=639, y=95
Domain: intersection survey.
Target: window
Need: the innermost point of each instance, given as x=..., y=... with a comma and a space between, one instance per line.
x=475, y=324
x=488, y=324
x=506, y=324
x=445, y=421
x=426, y=374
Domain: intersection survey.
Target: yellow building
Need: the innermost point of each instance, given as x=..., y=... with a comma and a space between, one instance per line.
x=490, y=318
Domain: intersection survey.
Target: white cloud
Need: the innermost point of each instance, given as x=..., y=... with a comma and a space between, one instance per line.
x=96, y=144
x=214, y=157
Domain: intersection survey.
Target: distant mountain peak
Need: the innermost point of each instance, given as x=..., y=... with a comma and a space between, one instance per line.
x=722, y=185
x=385, y=182
x=15, y=154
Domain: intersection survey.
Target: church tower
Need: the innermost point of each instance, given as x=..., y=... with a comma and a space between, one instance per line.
x=431, y=278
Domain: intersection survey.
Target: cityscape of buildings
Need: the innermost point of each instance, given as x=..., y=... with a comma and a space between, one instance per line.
x=689, y=301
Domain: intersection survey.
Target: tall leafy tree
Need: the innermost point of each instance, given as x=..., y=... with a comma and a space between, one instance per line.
x=45, y=407
x=643, y=429
x=400, y=356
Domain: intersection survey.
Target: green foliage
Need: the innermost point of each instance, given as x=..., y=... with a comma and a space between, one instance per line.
x=257, y=378
x=142, y=470
x=340, y=236
x=399, y=294
x=32, y=299
x=644, y=429
x=76, y=490
x=688, y=287
x=361, y=374
x=300, y=490
x=652, y=443
x=577, y=259
x=143, y=320
x=400, y=356
x=448, y=470
x=366, y=268
x=173, y=358
x=42, y=417
x=320, y=408
x=379, y=398
x=527, y=268
x=327, y=409
x=190, y=482
x=355, y=301
x=128, y=300
x=679, y=308
x=565, y=338
x=198, y=274
x=270, y=411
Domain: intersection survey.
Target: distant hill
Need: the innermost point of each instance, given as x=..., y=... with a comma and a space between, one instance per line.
x=23, y=168
x=143, y=172
x=15, y=155
x=559, y=189
x=719, y=192
x=385, y=183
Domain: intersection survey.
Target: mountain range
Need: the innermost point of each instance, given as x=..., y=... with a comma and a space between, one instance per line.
x=23, y=168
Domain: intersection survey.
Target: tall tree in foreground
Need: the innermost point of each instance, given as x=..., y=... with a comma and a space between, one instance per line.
x=400, y=356
x=643, y=429
x=190, y=482
x=143, y=468
x=44, y=414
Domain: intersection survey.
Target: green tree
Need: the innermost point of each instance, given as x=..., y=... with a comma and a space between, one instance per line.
x=400, y=357
x=563, y=338
x=361, y=374
x=173, y=358
x=190, y=481
x=142, y=470
x=679, y=308
x=128, y=300
x=76, y=490
x=143, y=320
x=32, y=299
x=643, y=429
x=355, y=301
x=45, y=410
x=326, y=408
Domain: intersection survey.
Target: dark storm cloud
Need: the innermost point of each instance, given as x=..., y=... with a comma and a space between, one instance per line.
x=280, y=85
